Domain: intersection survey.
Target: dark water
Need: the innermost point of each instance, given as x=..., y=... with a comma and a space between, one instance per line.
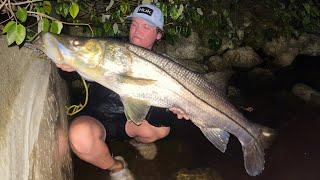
x=294, y=155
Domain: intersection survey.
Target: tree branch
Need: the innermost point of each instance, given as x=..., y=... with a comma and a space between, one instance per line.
x=67, y=23
x=10, y=10
x=2, y=4
x=25, y=2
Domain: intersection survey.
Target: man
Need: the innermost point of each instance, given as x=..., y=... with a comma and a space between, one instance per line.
x=104, y=118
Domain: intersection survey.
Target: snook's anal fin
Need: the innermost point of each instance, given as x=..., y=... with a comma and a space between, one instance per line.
x=218, y=137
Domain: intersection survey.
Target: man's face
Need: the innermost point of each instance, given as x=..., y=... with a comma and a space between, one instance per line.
x=143, y=34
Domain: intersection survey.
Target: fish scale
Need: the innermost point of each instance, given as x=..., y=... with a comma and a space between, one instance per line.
x=143, y=78
x=184, y=76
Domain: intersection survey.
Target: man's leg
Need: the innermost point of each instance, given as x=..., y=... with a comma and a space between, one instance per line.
x=87, y=136
x=144, y=136
x=146, y=133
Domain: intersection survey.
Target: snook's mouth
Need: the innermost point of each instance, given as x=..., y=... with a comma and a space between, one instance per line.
x=53, y=48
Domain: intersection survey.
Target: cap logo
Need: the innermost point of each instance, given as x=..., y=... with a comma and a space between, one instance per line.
x=145, y=10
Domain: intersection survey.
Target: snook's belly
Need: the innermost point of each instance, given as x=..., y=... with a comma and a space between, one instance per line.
x=171, y=96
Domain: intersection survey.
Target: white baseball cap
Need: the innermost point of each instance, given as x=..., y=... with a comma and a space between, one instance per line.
x=150, y=13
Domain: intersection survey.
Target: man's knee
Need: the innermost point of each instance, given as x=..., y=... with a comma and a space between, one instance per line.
x=154, y=134
x=83, y=132
x=163, y=132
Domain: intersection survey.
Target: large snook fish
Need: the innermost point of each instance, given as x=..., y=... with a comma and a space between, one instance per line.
x=143, y=79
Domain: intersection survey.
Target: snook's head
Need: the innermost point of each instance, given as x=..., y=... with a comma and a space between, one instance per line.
x=74, y=51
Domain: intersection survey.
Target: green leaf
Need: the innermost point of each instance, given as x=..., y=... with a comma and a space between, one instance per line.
x=107, y=27
x=175, y=13
x=11, y=34
x=307, y=7
x=314, y=11
x=115, y=28
x=40, y=9
x=199, y=11
x=215, y=43
x=124, y=8
x=47, y=7
x=98, y=32
x=65, y=9
x=56, y=27
x=74, y=10
x=21, y=34
x=180, y=10
x=9, y=25
x=116, y=15
x=225, y=13
x=58, y=8
x=164, y=8
x=44, y=25
x=22, y=14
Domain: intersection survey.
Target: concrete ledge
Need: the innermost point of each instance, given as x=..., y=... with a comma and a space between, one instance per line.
x=33, y=122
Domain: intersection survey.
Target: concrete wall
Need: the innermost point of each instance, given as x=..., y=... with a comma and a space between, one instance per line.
x=33, y=123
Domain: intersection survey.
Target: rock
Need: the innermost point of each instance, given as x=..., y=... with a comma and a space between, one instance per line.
x=285, y=50
x=216, y=63
x=33, y=123
x=286, y=58
x=219, y=79
x=311, y=45
x=261, y=74
x=225, y=45
x=306, y=93
x=190, y=48
x=233, y=91
x=198, y=174
x=191, y=64
x=243, y=57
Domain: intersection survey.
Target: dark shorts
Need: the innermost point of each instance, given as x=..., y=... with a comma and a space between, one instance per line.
x=114, y=123
x=106, y=106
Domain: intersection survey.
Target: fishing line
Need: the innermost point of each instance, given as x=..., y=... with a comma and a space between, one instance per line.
x=74, y=109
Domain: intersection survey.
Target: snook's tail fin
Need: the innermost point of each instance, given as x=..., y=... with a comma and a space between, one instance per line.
x=253, y=151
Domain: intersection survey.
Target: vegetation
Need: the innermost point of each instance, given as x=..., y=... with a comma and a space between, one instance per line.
x=246, y=22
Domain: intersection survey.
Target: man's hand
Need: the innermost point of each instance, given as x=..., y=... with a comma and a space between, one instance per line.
x=180, y=113
x=65, y=67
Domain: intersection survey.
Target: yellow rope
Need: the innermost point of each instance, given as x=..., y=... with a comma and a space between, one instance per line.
x=74, y=109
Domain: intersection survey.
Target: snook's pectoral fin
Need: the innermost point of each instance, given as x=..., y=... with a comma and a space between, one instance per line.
x=127, y=79
x=218, y=137
x=135, y=109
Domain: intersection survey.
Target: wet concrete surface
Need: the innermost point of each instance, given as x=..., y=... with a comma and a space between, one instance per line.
x=294, y=154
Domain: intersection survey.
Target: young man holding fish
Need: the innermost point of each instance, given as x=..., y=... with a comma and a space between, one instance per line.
x=104, y=119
